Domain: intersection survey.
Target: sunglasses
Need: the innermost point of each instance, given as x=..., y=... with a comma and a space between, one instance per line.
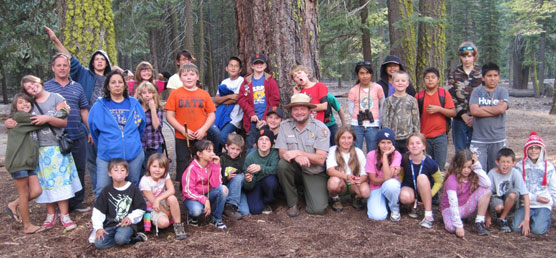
x=468, y=48
x=364, y=63
x=60, y=55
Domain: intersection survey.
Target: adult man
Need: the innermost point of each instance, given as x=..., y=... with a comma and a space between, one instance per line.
x=303, y=144
x=75, y=98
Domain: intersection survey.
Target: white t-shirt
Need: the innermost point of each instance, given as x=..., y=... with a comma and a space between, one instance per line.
x=331, y=160
x=156, y=187
x=174, y=82
x=237, y=112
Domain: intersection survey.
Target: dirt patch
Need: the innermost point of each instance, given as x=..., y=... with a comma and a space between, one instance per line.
x=335, y=234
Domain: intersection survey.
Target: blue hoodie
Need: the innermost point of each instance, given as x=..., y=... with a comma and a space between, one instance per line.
x=111, y=141
x=87, y=76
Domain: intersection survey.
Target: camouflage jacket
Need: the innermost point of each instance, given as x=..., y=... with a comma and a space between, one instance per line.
x=461, y=87
x=401, y=115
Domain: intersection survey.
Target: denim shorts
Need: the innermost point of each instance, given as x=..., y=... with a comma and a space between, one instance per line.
x=23, y=174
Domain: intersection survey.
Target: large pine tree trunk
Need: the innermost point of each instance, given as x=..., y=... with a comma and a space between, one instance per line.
x=520, y=71
x=4, y=85
x=286, y=32
x=541, y=61
x=189, y=42
x=88, y=26
x=432, y=39
x=365, y=33
x=172, y=22
x=201, y=52
x=402, y=34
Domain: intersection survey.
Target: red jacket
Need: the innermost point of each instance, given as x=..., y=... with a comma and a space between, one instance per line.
x=245, y=99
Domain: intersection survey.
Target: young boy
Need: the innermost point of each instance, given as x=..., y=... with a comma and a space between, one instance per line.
x=540, y=180
x=261, y=183
x=231, y=163
x=488, y=105
x=333, y=103
x=316, y=90
x=274, y=117
x=257, y=94
x=401, y=113
x=436, y=110
x=182, y=57
x=118, y=209
x=507, y=186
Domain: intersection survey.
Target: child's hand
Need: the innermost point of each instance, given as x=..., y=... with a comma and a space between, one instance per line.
x=261, y=123
x=215, y=159
x=199, y=134
x=152, y=105
x=63, y=105
x=100, y=234
x=542, y=199
x=296, y=89
x=431, y=109
x=254, y=168
x=231, y=174
x=396, y=171
x=524, y=225
x=254, y=118
x=248, y=177
x=390, y=151
x=124, y=223
x=10, y=123
x=40, y=119
x=460, y=232
x=206, y=210
x=156, y=205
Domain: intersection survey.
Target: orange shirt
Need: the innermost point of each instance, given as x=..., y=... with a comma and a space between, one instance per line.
x=191, y=107
x=433, y=125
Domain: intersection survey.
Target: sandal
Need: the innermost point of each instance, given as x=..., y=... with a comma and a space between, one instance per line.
x=13, y=215
x=38, y=230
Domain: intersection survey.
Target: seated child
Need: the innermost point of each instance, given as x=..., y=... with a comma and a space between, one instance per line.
x=466, y=190
x=507, y=186
x=261, y=183
x=158, y=189
x=118, y=209
x=203, y=192
x=231, y=162
x=383, y=166
x=420, y=171
x=274, y=117
x=540, y=179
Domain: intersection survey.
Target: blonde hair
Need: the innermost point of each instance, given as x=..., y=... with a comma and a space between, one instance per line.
x=421, y=137
x=162, y=162
x=190, y=67
x=400, y=72
x=298, y=68
x=353, y=162
x=474, y=52
x=149, y=87
x=142, y=66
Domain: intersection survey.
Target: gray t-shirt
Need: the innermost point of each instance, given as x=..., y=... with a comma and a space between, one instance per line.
x=46, y=138
x=501, y=184
x=489, y=129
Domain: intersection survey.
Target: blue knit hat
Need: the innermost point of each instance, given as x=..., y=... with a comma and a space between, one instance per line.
x=385, y=134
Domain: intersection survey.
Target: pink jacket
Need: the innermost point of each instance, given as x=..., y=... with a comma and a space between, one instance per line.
x=197, y=181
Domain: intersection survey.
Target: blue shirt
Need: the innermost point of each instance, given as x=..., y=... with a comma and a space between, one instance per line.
x=120, y=111
x=75, y=98
x=259, y=96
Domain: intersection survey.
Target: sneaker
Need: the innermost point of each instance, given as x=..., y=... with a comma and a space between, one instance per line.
x=337, y=205
x=356, y=203
x=231, y=211
x=426, y=223
x=218, y=224
x=395, y=216
x=413, y=213
x=193, y=221
x=504, y=226
x=92, y=236
x=292, y=211
x=481, y=229
x=267, y=209
x=139, y=237
x=67, y=222
x=179, y=231
x=50, y=221
x=82, y=208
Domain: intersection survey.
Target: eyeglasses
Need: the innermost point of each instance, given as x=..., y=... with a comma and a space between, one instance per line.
x=234, y=66
x=364, y=63
x=468, y=48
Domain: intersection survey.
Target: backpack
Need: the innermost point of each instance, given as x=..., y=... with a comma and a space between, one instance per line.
x=442, y=97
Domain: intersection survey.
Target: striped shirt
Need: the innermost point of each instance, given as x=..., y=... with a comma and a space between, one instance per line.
x=75, y=98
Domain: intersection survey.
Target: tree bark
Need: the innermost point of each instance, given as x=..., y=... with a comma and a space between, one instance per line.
x=432, y=39
x=402, y=34
x=541, y=60
x=172, y=22
x=210, y=69
x=4, y=85
x=365, y=33
x=553, y=106
x=520, y=71
x=189, y=43
x=286, y=32
x=201, y=52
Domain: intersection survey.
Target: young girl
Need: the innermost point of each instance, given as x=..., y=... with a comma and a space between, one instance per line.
x=420, y=171
x=144, y=72
x=345, y=164
x=466, y=190
x=158, y=189
x=365, y=100
x=203, y=191
x=192, y=106
x=22, y=154
x=383, y=166
x=151, y=138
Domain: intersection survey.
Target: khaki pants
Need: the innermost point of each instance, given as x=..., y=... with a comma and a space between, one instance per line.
x=316, y=194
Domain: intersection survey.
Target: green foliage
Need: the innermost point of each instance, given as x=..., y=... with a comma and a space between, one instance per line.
x=529, y=15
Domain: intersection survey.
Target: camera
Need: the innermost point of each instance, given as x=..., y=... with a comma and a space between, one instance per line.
x=364, y=115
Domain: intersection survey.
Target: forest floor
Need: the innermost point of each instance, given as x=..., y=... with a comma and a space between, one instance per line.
x=349, y=233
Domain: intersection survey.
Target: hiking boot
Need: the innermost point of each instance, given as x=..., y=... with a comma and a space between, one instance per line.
x=413, y=213
x=218, y=224
x=395, y=216
x=193, y=221
x=356, y=203
x=504, y=226
x=50, y=220
x=81, y=208
x=426, y=223
x=179, y=231
x=292, y=211
x=67, y=222
x=139, y=237
x=337, y=206
x=481, y=229
x=267, y=209
x=231, y=211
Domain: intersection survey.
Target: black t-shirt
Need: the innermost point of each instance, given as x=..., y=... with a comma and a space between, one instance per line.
x=116, y=205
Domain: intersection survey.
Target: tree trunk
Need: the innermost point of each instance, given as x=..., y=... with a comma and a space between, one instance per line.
x=286, y=32
x=432, y=39
x=189, y=32
x=520, y=71
x=541, y=61
x=534, y=78
x=154, y=50
x=201, y=52
x=553, y=106
x=172, y=22
x=210, y=69
x=402, y=34
x=89, y=25
x=4, y=85
x=365, y=33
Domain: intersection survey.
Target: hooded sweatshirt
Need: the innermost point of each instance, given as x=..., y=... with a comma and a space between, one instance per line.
x=91, y=82
x=384, y=76
x=22, y=149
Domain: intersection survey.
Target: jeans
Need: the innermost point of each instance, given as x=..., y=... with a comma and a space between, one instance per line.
x=79, y=153
x=148, y=153
x=539, y=218
x=115, y=236
x=214, y=135
x=227, y=129
x=461, y=134
x=487, y=153
x=369, y=133
x=102, y=172
x=243, y=205
x=217, y=197
x=263, y=193
x=333, y=129
x=234, y=190
x=376, y=204
x=252, y=137
x=437, y=148
x=92, y=164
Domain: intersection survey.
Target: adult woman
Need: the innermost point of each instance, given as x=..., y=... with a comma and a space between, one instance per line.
x=144, y=72
x=56, y=172
x=116, y=122
x=464, y=79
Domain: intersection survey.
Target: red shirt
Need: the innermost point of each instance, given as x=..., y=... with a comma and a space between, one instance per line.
x=433, y=125
x=318, y=94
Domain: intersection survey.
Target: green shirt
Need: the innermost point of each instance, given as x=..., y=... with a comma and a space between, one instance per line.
x=333, y=102
x=268, y=166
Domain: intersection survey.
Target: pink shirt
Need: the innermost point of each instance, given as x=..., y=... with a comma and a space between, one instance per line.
x=371, y=166
x=365, y=98
x=463, y=191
